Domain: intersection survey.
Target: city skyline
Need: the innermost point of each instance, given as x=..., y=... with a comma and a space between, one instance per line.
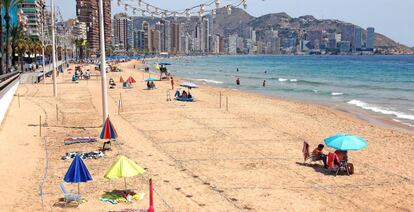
x=397, y=25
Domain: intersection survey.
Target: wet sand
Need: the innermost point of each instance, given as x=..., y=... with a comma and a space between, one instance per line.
x=200, y=156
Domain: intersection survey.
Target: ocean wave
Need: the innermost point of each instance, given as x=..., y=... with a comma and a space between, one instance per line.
x=293, y=80
x=379, y=109
x=408, y=124
x=210, y=81
x=315, y=91
x=282, y=79
x=336, y=94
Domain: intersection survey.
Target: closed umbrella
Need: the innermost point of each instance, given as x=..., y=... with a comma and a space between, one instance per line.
x=346, y=142
x=123, y=168
x=108, y=130
x=77, y=172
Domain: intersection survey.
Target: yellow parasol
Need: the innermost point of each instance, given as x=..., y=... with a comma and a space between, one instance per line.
x=124, y=168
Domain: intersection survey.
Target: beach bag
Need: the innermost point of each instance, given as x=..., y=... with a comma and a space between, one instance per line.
x=351, y=168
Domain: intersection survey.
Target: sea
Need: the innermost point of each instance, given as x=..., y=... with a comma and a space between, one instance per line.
x=382, y=85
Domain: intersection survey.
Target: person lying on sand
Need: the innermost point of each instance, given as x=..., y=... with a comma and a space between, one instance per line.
x=318, y=154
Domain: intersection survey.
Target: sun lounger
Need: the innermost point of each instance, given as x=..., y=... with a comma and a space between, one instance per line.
x=69, y=196
x=76, y=140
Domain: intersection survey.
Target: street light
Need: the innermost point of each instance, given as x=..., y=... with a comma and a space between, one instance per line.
x=103, y=63
x=53, y=51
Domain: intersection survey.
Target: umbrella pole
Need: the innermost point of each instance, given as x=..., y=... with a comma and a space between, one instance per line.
x=125, y=183
x=78, y=189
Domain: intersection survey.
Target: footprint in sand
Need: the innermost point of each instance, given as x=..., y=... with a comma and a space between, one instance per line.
x=189, y=195
x=166, y=181
x=233, y=199
x=178, y=188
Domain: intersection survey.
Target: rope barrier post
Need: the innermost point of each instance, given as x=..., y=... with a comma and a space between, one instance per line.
x=227, y=104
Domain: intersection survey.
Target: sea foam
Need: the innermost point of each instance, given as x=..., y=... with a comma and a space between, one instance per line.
x=210, y=81
x=336, y=94
x=381, y=110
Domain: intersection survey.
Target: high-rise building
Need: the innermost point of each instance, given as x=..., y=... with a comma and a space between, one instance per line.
x=253, y=36
x=79, y=30
x=357, y=45
x=332, y=42
x=147, y=35
x=175, y=38
x=232, y=44
x=122, y=31
x=87, y=11
x=205, y=34
x=370, y=38
x=314, y=38
x=33, y=11
x=348, y=33
x=344, y=46
x=276, y=45
x=139, y=39
x=155, y=40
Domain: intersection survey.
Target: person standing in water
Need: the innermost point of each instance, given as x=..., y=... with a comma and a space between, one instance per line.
x=264, y=83
x=238, y=81
x=237, y=69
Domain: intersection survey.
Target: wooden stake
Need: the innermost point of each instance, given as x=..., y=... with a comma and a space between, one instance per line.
x=227, y=103
x=119, y=107
x=18, y=99
x=40, y=126
x=220, y=99
x=57, y=112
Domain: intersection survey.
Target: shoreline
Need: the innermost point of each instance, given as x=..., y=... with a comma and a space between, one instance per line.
x=369, y=117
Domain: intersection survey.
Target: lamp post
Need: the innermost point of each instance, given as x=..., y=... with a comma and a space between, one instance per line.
x=43, y=45
x=103, y=63
x=53, y=50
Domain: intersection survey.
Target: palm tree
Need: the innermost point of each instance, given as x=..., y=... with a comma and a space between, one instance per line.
x=8, y=4
x=1, y=40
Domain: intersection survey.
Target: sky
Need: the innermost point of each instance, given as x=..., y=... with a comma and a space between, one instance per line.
x=393, y=18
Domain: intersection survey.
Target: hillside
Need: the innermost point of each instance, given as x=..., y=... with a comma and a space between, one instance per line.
x=286, y=23
x=240, y=20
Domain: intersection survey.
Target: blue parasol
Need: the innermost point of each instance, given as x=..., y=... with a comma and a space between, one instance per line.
x=151, y=79
x=346, y=142
x=77, y=172
x=165, y=63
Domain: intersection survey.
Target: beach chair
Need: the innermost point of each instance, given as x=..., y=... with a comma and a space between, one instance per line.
x=339, y=166
x=106, y=145
x=69, y=196
x=307, y=156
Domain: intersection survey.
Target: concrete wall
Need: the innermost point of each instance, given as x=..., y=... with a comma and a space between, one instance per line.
x=6, y=97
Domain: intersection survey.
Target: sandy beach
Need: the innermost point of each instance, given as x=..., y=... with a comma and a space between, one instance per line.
x=200, y=156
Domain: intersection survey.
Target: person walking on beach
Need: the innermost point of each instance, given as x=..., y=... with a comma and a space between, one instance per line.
x=264, y=83
x=172, y=83
x=238, y=81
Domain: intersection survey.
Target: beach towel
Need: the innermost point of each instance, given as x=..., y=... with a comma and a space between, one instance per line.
x=76, y=140
x=83, y=155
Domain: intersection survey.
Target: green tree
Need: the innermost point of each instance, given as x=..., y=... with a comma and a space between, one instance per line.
x=7, y=5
